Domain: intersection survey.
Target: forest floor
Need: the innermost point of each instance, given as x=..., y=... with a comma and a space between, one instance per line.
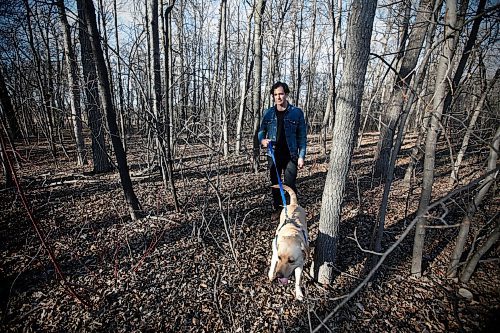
x=204, y=269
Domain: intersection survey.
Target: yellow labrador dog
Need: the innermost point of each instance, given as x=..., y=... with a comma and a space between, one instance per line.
x=291, y=245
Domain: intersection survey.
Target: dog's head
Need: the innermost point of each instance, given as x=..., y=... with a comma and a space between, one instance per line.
x=292, y=253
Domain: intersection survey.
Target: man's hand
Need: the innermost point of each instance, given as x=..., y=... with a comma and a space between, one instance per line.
x=300, y=163
x=265, y=142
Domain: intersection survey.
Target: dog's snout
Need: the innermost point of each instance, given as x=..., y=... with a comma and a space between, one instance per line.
x=279, y=275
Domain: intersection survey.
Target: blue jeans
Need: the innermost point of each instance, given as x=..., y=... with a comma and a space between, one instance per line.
x=288, y=167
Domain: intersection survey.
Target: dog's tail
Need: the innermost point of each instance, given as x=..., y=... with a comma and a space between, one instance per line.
x=291, y=193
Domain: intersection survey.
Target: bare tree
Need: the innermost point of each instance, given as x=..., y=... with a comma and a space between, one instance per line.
x=74, y=87
x=474, y=260
x=298, y=52
x=121, y=101
x=214, y=87
x=107, y=103
x=224, y=103
x=8, y=109
x=471, y=210
x=332, y=89
x=311, y=71
x=259, y=8
x=442, y=78
x=159, y=125
x=44, y=80
x=245, y=88
x=282, y=8
x=100, y=159
x=410, y=55
x=470, y=128
x=169, y=107
x=469, y=46
x=360, y=26
x=421, y=119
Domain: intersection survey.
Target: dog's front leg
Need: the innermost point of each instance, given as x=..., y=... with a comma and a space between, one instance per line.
x=274, y=261
x=298, y=292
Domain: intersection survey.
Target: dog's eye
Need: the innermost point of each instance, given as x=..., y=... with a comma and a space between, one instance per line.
x=279, y=257
x=291, y=261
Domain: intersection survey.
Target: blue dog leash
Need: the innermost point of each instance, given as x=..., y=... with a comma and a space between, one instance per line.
x=271, y=153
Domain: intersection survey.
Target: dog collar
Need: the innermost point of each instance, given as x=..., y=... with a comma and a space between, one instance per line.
x=289, y=221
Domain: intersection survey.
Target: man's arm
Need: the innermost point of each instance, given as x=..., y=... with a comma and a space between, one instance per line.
x=263, y=132
x=301, y=139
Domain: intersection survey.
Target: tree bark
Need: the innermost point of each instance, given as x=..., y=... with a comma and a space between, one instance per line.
x=44, y=82
x=8, y=109
x=107, y=103
x=442, y=78
x=244, y=90
x=257, y=80
x=298, y=81
x=214, y=87
x=400, y=91
x=169, y=108
x=344, y=135
x=475, y=115
x=311, y=70
x=474, y=206
x=474, y=260
x=471, y=42
x=224, y=107
x=121, y=101
x=74, y=88
x=159, y=123
x=100, y=159
x=332, y=89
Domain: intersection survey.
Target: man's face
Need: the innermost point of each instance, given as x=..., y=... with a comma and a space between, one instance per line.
x=279, y=96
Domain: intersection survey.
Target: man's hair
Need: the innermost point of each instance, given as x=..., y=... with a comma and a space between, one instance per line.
x=282, y=85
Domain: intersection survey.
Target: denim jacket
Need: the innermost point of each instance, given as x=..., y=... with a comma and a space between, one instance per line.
x=295, y=129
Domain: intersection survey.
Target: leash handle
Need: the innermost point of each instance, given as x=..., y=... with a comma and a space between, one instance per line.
x=271, y=153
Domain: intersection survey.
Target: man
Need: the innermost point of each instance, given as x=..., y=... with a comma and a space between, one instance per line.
x=283, y=125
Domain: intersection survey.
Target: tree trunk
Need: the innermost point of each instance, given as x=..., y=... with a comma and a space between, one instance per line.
x=107, y=103
x=121, y=102
x=332, y=89
x=465, y=143
x=400, y=90
x=224, y=108
x=169, y=108
x=277, y=43
x=469, y=46
x=244, y=90
x=6, y=166
x=100, y=159
x=442, y=78
x=257, y=80
x=155, y=84
x=311, y=70
x=215, y=88
x=8, y=109
x=298, y=81
x=76, y=112
x=474, y=205
x=344, y=135
x=159, y=124
x=101, y=20
x=44, y=84
x=474, y=260
x=168, y=113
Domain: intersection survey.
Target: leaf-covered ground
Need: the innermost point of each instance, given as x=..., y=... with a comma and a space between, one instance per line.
x=204, y=269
